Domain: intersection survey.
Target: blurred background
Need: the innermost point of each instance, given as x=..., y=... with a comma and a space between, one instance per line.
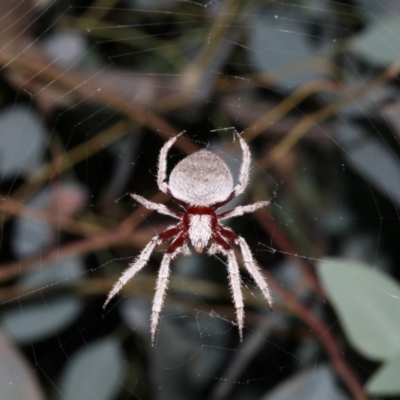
x=89, y=93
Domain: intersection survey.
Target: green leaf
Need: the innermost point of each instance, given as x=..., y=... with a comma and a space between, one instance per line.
x=310, y=384
x=386, y=382
x=379, y=44
x=280, y=40
x=36, y=320
x=94, y=372
x=367, y=302
x=370, y=158
x=18, y=378
x=23, y=137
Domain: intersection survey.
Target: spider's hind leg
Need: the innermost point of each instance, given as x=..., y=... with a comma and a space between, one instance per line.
x=133, y=268
x=254, y=270
x=176, y=247
x=222, y=246
x=141, y=261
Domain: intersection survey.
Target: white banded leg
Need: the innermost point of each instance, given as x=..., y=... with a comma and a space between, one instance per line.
x=161, y=288
x=254, y=270
x=150, y=205
x=240, y=210
x=134, y=268
x=162, y=163
x=244, y=168
x=235, y=284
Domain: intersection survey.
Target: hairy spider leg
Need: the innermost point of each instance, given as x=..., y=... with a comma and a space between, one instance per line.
x=170, y=232
x=243, y=174
x=249, y=262
x=179, y=241
x=244, y=168
x=161, y=208
x=141, y=260
x=162, y=163
x=234, y=278
x=240, y=210
x=254, y=270
x=162, y=280
x=227, y=234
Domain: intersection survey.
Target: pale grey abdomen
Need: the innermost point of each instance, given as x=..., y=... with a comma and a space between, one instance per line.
x=201, y=179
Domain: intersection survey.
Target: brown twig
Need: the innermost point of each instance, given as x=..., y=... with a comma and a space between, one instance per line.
x=65, y=161
x=240, y=361
x=332, y=349
x=288, y=104
x=40, y=68
x=116, y=237
x=83, y=246
x=59, y=221
x=323, y=333
x=315, y=118
x=289, y=250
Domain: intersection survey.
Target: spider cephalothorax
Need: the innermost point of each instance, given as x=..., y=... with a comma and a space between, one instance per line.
x=201, y=183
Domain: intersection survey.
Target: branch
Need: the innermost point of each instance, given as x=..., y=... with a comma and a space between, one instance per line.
x=323, y=333
x=117, y=237
x=288, y=249
x=320, y=329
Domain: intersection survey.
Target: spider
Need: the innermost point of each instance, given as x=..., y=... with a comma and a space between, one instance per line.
x=200, y=183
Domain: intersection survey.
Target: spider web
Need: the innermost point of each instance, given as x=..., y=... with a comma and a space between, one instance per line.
x=92, y=90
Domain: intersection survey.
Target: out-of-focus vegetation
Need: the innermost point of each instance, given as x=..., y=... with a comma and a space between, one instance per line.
x=90, y=91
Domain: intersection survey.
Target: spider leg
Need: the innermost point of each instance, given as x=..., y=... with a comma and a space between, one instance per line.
x=244, y=168
x=140, y=261
x=249, y=262
x=162, y=281
x=235, y=284
x=185, y=250
x=254, y=270
x=243, y=174
x=161, y=208
x=213, y=249
x=240, y=210
x=162, y=163
x=234, y=278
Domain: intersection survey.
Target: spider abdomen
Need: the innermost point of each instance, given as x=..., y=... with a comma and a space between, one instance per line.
x=201, y=179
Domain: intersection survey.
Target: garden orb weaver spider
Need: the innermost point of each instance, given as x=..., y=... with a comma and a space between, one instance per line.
x=200, y=183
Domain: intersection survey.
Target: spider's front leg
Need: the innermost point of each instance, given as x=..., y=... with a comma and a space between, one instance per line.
x=240, y=210
x=161, y=208
x=254, y=270
x=162, y=163
x=244, y=168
